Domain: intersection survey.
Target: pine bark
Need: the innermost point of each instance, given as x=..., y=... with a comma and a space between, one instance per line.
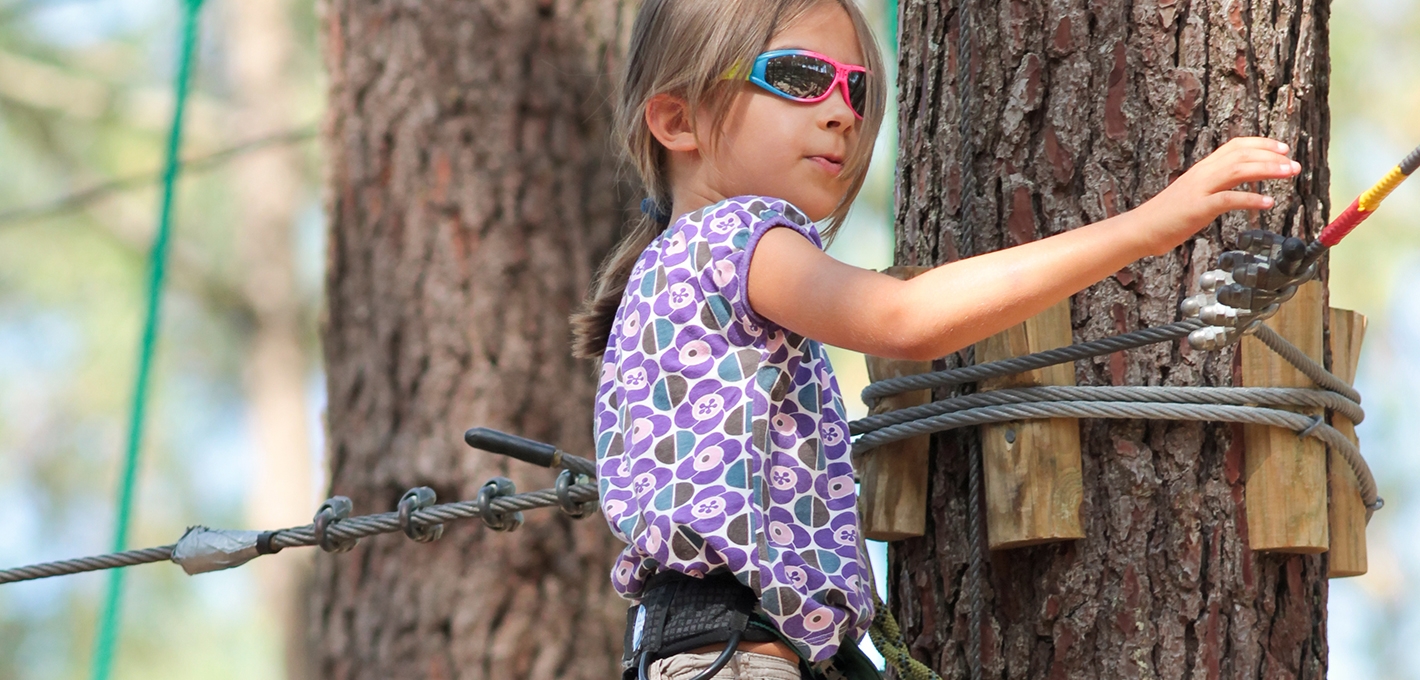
x=1075, y=111
x=472, y=191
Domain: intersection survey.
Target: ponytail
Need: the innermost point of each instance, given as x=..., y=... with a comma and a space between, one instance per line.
x=591, y=325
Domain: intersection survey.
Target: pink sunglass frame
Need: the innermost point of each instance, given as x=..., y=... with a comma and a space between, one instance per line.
x=840, y=77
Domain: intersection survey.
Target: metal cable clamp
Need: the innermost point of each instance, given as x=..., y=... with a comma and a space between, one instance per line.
x=498, y=521
x=413, y=500
x=575, y=510
x=331, y=512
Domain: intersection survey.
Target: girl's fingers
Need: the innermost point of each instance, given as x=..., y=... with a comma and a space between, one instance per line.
x=1257, y=143
x=1256, y=171
x=1235, y=167
x=1228, y=201
x=1228, y=166
x=1246, y=155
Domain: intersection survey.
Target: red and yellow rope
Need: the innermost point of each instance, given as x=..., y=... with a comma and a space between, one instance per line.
x=1362, y=207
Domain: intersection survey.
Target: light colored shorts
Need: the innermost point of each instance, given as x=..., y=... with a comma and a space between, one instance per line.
x=743, y=666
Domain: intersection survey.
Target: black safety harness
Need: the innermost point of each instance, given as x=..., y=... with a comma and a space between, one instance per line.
x=679, y=613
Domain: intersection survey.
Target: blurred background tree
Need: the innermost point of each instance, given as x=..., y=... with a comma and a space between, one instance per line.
x=472, y=193
x=84, y=100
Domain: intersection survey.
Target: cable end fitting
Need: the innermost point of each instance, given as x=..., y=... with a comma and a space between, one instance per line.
x=202, y=550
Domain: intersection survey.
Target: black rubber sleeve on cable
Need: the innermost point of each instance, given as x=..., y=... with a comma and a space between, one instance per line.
x=513, y=446
x=1411, y=162
x=263, y=543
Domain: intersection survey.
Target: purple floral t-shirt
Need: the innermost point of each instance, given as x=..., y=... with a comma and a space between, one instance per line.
x=721, y=437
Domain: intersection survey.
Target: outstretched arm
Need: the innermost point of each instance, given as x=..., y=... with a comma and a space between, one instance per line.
x=962, y=302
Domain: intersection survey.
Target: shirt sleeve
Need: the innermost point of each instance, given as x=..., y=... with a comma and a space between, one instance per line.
x=740, y=225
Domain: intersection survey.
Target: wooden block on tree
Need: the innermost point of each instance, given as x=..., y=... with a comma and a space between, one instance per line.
x=1032, y=467
x=1347, y=513
x=1286, y=474
x=893, y=478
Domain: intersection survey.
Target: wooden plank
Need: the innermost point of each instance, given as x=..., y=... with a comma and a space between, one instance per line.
x=1286, y=474
x=1032, y=467
x=1347, y=513
x=893, y=479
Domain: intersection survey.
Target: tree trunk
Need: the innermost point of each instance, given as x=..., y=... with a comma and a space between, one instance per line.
x=1077, y=111
x=472, y=192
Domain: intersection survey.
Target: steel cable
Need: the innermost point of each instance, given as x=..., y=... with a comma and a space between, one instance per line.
x=1237, y=396
x=975, y=576
x=80, y=565
x=1296, y=422
x=388, y=522
x=1299, y=360
x=1030, y=362
x=1230, y=404
x=1136, y=410
x=356, y=527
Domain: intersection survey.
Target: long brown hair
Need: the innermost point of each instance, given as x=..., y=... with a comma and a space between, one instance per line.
x=683, y=48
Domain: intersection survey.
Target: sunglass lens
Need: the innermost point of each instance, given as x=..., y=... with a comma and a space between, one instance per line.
x=799, y=76
x=858, y=91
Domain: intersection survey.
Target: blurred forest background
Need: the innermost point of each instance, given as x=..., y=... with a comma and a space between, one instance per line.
x=234, y=431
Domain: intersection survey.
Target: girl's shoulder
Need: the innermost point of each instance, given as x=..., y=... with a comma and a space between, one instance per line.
x=697, y=270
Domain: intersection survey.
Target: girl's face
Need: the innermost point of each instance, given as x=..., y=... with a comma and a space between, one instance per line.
x=776, y=147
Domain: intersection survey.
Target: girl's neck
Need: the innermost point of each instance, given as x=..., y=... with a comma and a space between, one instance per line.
x=695, y=183
x=690, y=195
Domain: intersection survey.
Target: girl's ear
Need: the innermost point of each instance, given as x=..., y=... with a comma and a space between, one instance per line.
x=669, y=119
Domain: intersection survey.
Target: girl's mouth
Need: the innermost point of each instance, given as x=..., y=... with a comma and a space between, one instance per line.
x=831, y=165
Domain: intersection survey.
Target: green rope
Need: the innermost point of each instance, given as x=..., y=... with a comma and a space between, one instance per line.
x=887, y=637
x=892, y=12
x=157, y=261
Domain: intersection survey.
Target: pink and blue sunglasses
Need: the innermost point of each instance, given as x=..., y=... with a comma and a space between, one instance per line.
x=810, y=77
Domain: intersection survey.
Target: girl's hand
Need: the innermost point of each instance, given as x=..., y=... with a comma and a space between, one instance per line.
x=1206, y=191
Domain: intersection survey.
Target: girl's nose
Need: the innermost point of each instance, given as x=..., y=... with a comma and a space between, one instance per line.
x=835, y=113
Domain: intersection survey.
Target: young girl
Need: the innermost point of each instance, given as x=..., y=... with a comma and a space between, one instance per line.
x=722, y=446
